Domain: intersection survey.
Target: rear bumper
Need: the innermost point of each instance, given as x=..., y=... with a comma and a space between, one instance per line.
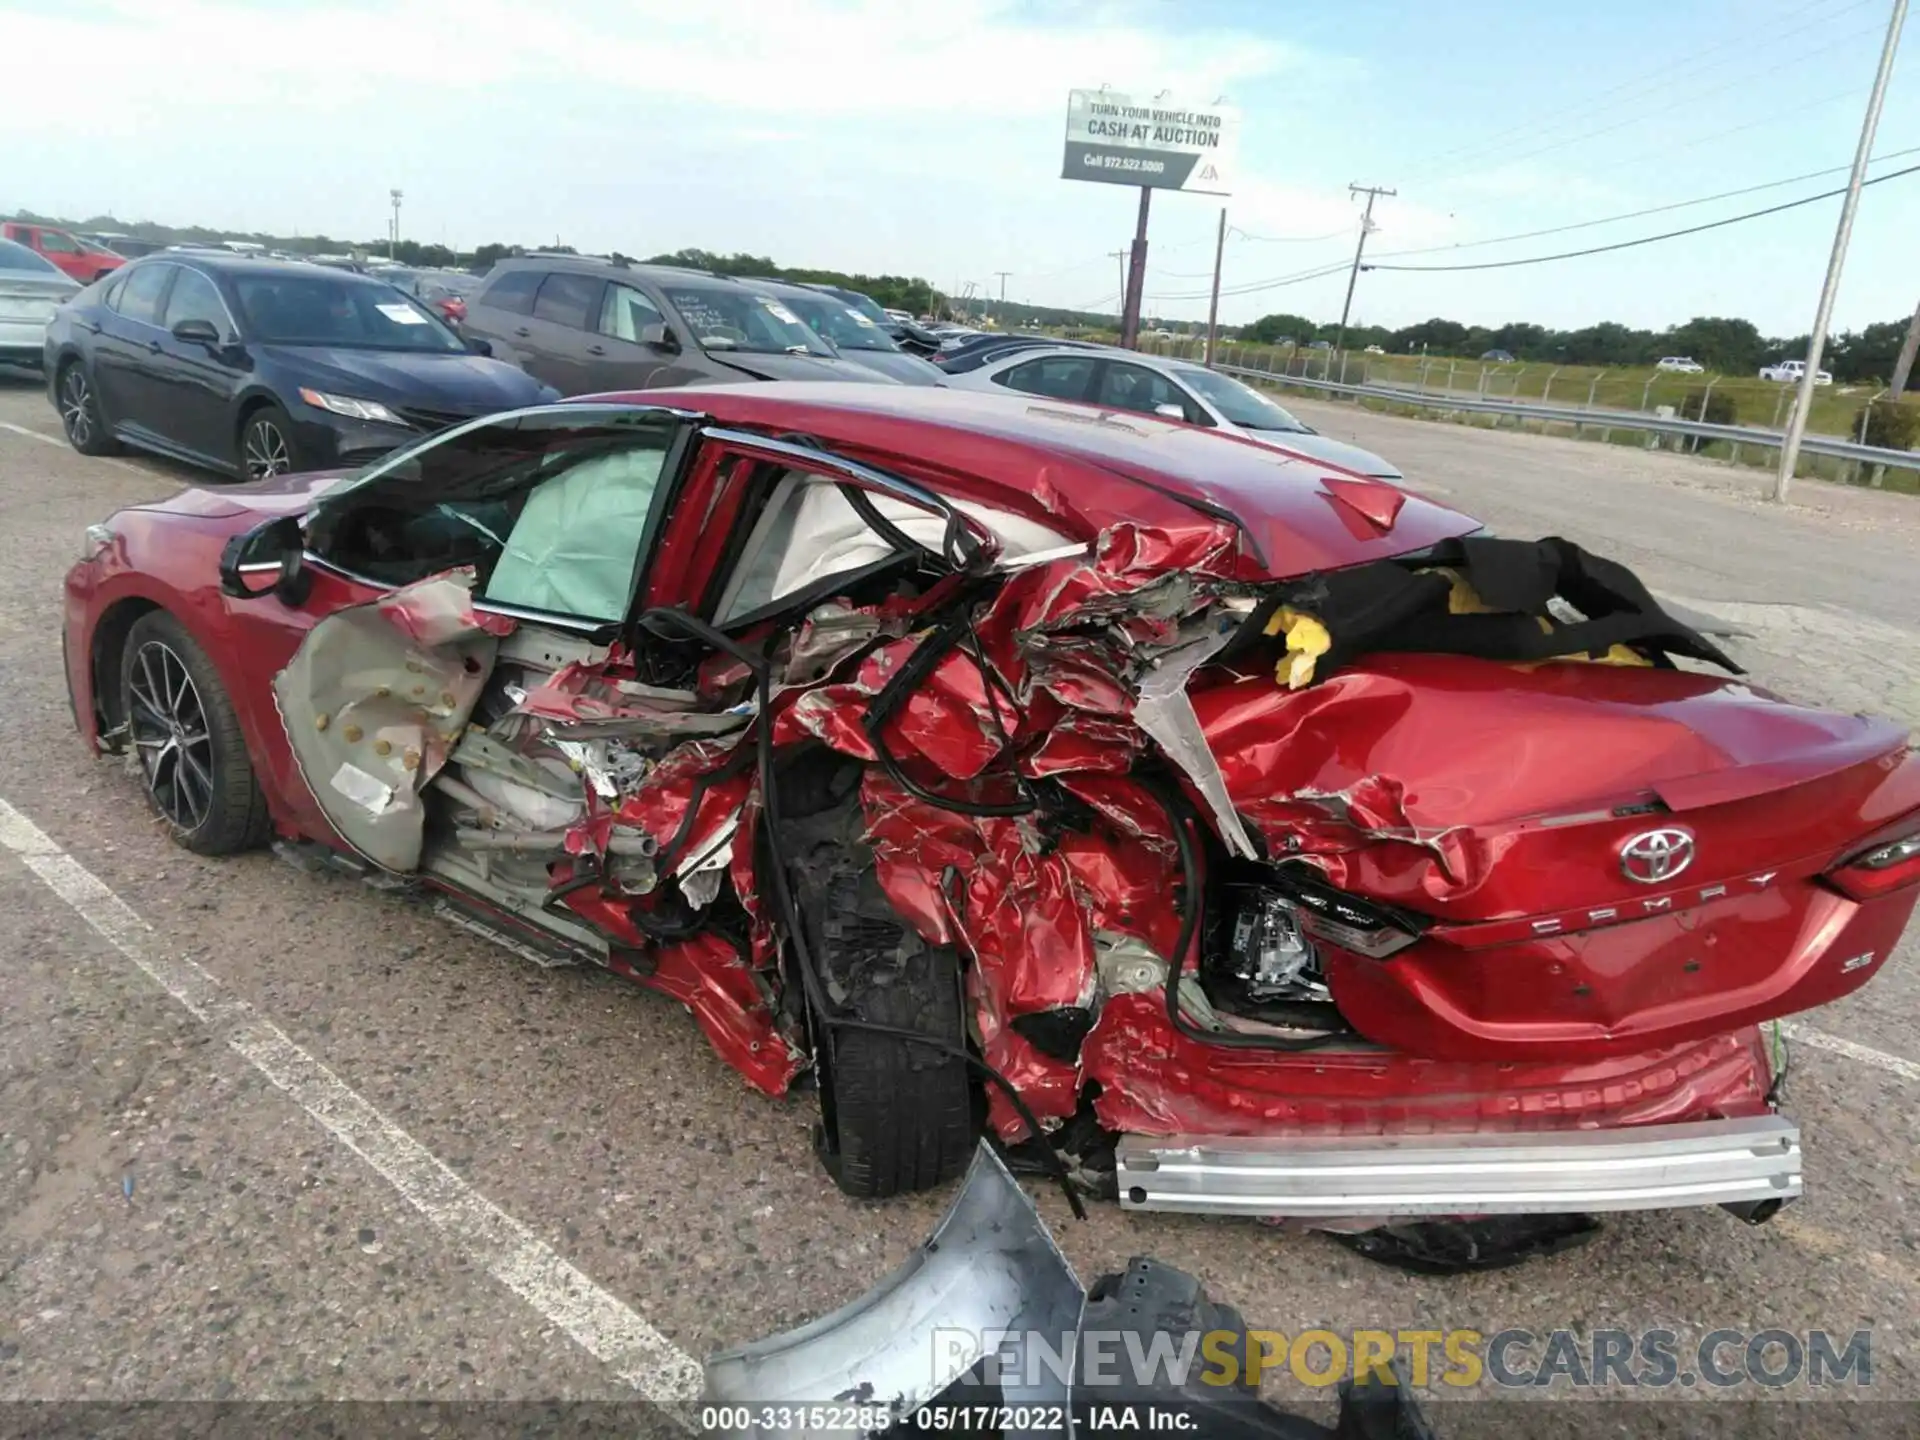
x=1751, y=1163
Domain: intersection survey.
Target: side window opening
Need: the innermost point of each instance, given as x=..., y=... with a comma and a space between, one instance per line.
x=575, y=545
x=568, y=299
x=625, y=313
x=512, y=292
x=808, y=532
x=816, y=529
x=1057, y=378
x=551, y=511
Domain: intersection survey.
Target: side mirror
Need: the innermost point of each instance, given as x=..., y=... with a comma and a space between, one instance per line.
x=659, y=337
x=1170, y=412
x=270, y=552
x=198, y=332
x=479, y=346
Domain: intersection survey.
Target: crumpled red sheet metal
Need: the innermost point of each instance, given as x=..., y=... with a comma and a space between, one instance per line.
x=1024, y=906
x=588, y=692
x=709, y=977
x=948, y=718
x=659, y=804
x=1155, y=1081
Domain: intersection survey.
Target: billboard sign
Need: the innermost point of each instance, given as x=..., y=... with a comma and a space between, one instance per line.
x=1118, y=140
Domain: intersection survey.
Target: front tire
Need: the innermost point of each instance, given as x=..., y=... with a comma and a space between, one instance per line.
x=186, y=741
x=80, y=416
x=267, y=447
x=896, y=1115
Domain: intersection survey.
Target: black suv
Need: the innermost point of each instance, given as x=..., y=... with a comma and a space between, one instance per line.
x=585, y=326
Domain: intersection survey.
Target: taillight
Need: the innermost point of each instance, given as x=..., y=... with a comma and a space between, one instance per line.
x=1346, y=920
x=1887, y=862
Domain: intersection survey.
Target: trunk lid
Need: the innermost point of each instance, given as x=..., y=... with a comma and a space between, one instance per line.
x=1471, y=790
x=1596, y=859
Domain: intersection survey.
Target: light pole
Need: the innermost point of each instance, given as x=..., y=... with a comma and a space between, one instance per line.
x=1817, y=342
x=1372, y=192
x=393, y=234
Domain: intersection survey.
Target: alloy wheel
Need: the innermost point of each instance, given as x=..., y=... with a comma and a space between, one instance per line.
x=76, y=406
x=170, y=735
x=266, y=452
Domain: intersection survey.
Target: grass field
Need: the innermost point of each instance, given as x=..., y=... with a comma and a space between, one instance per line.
x=1837, y=409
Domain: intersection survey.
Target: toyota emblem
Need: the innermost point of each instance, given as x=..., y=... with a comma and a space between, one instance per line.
x=1656, y=855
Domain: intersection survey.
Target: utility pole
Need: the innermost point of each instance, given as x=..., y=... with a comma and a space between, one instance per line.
x=1817, y=342
x=1213, y=305
x=1909, y=348
x=393, y=234
x=1121, y=256
x=1372, y=192
x=1003, y=293
x=1136, y=275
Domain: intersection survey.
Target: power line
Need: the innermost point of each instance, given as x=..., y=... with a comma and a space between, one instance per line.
x=1340, y=234
x=1796, y=115
x=1232, y=231
x=1637, y=214
x=1255, y=287
x=1738, y=82
x=1635, y=86
x=1650, y=239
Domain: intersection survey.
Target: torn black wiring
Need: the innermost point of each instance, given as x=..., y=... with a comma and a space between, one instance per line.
x=761, y=666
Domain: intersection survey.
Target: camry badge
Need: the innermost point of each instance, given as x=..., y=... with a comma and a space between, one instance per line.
x=1656, y=855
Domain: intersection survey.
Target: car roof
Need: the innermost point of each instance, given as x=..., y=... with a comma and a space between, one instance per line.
x=776, y=287
x=227, y=262
x=1031, y=449
x=593, y=265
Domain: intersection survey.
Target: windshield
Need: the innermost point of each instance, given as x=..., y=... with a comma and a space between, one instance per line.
x=449, y=282
x=728, y=318
x=1242, y=405
x=15, y=256
x=842, y=324
x=323, y=309
x=865, y=304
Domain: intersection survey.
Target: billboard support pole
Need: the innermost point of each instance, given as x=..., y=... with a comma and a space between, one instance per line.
x=1213, y=305
x=1136, y=276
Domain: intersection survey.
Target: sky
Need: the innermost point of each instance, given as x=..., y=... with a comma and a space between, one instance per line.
x=925, y=136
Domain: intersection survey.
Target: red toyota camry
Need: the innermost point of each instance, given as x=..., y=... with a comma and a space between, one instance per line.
x=1242, y=835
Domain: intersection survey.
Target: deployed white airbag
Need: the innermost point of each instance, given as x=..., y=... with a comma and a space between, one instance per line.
x=575, y=545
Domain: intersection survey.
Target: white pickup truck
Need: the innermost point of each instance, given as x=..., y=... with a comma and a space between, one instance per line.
x=1789, y=372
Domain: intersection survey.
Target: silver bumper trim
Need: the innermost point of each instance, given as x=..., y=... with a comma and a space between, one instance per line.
x=1648, y=1167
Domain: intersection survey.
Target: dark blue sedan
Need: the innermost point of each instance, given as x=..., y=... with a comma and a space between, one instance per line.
x=256, y=367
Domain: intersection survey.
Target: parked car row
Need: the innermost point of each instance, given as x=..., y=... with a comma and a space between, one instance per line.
x=31, y=288
x=258, y=367
x=226, y=357
x=67, y=252
x=1146, y=385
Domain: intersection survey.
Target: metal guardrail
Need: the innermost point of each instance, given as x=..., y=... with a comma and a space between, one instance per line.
x=1582, y=415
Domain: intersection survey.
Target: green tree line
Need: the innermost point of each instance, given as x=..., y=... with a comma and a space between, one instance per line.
x=1731, y=346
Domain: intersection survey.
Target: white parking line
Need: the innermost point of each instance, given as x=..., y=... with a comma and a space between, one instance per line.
x=33, y=434
x=485, y=1234
x=1879, y=1059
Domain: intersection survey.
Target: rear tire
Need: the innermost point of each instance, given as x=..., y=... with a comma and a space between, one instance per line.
x=186, y=741
x=896, y=1115
x=80, y=417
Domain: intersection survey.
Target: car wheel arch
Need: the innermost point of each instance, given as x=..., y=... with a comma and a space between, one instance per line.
x=109, y=640
x=249, y=403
